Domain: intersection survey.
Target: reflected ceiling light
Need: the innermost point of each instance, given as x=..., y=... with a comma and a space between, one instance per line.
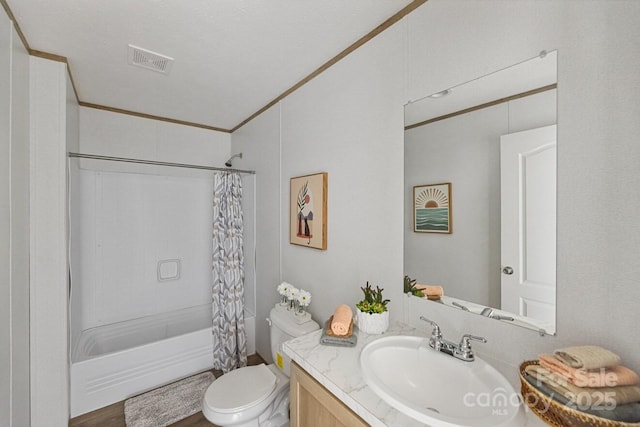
x=440, y=94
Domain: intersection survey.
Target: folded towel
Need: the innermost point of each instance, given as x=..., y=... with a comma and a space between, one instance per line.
x=328, y=338
x=342, y=318
x=331, y=334
x=603, y=377
x=587, y=357
x=585, y=396
x=431, y=291
x=627, y=413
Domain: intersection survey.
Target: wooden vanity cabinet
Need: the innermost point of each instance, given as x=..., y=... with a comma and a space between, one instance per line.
x=312, y=405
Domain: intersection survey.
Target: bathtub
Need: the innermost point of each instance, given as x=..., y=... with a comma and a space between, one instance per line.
x=114, y=362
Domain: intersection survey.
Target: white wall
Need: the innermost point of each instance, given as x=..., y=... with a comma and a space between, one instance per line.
x=465, y=150
x=121, y=135
x=348, y=122
x=259, y=141
x=20, y=232
x=14, y=228
x=73, y=118
x=337, y=124
x=249, y=244
x=5, y=219
x=49, y=141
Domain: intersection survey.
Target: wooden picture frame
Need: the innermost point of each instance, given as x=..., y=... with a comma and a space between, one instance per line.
x=308, y=211
x=432, y=208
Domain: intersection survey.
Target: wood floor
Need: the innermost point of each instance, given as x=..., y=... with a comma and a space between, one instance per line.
x=113, y=415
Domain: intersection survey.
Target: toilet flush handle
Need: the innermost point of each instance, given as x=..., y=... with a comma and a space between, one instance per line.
x=268, y=321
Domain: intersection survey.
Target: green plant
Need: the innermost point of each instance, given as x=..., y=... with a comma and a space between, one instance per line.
x=410, y=287
x=372, y=302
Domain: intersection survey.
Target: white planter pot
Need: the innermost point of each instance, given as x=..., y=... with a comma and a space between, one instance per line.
x=373, y=324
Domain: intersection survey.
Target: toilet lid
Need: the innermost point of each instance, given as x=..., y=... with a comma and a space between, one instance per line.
x=240, y=389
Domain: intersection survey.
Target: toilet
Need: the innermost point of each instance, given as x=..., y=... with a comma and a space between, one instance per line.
x=258, y=396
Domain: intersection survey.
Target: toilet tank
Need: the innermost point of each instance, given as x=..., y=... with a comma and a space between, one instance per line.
x=285, y=325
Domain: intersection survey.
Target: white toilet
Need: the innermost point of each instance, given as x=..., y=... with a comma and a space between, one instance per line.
x=258, y=396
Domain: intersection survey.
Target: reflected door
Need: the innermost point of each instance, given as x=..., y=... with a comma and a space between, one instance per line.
x=528, y=224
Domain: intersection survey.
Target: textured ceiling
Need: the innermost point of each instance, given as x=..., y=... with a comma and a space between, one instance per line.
x=232, y=57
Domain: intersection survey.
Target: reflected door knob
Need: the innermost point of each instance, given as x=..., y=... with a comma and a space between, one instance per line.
x=507, y=270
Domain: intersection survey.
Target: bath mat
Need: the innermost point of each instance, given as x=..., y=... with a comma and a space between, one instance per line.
x=169, y=404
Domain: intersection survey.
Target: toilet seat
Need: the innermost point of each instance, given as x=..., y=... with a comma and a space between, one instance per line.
x=240, y=389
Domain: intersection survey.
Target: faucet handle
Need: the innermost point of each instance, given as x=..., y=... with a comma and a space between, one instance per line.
x=435, y=341
x=466, y=340
x=436, y=328
x=464, y=348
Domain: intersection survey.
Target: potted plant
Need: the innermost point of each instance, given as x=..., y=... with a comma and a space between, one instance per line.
x=372, y=314
x=410, y=287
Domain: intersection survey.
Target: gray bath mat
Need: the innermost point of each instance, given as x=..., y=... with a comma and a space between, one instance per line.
x=169, y=404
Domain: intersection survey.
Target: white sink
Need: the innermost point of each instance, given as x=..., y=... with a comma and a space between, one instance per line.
x=438, y=389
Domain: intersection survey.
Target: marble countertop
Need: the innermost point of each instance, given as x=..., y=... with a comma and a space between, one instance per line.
x=338, y=370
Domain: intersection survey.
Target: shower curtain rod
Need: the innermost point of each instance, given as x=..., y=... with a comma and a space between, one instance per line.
x=153, y=162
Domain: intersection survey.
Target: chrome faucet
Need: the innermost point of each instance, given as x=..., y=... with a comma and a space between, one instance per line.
x=488, y=312
x=460, y=351
x=463, y=351
x=460, y=306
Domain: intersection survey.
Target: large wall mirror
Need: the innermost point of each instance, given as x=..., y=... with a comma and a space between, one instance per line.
x=493, y=141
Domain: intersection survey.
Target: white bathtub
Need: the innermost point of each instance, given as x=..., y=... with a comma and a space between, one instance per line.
x=113, y=362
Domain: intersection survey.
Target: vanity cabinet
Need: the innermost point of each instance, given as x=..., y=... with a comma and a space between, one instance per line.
x=312, y=405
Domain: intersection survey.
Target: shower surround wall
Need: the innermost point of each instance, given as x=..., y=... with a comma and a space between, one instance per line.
x=141, y=263
x=140, y=218
x=141, y=243
x=141, y=251
x=126, y=229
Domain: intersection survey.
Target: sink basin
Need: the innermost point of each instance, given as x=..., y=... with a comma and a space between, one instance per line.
x=437, y=389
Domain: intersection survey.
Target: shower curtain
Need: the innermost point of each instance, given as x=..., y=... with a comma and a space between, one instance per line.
x=229, y=339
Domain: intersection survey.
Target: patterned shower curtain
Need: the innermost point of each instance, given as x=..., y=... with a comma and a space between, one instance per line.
x=229, y=339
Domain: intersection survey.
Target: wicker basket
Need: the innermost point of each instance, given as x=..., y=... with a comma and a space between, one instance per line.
x=556, y=414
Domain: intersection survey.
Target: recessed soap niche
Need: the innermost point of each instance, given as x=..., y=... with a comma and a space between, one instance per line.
x=168, y=269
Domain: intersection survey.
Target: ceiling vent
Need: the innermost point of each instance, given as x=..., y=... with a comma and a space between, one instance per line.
x=150, y=60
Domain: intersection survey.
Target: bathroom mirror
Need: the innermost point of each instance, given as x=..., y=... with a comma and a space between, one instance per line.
x=493, y=139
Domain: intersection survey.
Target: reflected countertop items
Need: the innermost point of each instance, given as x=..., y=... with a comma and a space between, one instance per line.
x=525, y=322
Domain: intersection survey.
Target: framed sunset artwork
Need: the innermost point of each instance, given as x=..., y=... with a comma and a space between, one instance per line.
x=432, y=208
x=308, y=211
